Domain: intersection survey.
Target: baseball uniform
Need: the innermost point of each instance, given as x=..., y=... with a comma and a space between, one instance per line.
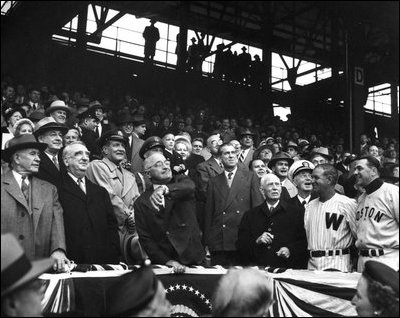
x=377, y=225
x=330, y=227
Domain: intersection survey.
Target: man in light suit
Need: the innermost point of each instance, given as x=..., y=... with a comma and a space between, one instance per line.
x=123, y=188
x=246, y=138
x=139, y=129
x=229, y=196
x=90, y=225
x=166, y=217
x=29, y=206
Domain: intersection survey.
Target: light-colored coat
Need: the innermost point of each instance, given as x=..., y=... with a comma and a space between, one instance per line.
x=136, y=161
x=40, y=227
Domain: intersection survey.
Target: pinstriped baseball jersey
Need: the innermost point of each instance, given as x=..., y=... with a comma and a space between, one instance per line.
x=330, y=225
x=377, y=222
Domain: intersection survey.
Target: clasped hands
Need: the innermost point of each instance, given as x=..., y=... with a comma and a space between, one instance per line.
x=157, y=198
x=267, y=238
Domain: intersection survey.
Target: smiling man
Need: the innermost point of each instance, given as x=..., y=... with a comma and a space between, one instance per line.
x=59, y=111
x=280, y=164
x=90, y=224
x=377, y=216
x=329, y=221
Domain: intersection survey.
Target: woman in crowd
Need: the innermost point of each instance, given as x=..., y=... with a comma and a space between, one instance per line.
x=377, y=291
x=190, y=160
x=23, y=126
x=264, y=153
x=73, y=134
x=11, y=116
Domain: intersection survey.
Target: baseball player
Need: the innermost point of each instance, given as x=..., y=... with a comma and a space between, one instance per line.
x=329, y=221
x=377, y=217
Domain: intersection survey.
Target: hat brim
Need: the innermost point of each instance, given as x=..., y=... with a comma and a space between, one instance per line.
x=328, y=157
x=142, y=151
x=7, y=153
x=52, y=126
x=49, y=110
x=273, y=161
x=38, y=268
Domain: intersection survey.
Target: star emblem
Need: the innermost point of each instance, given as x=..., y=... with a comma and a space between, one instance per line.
x=177, y=287
x=197, y=292
x=191, y=289
x=202, y=296
x=171, y=288
x=184, y=287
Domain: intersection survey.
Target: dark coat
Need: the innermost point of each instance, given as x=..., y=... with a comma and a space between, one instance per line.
x=171, y=233
x=226, y=206
x=48, y=171
x=286, y=223
x=90, y=224
x=175, y=160
x=89, y=137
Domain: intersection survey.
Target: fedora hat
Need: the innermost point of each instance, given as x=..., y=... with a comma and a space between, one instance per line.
x=57, y=105
x=125, y=117
x=322, y=151
x=138, y=120
x=95, y=105
x=16, y=269
x=281, y=155
x=259, y=149
x=49, y=123
x=291, y=144
x=245, y=131
x=24, y=141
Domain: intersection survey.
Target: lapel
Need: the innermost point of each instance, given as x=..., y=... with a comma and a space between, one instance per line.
x=37, y=200
x=128, y=182
x=237, y=184
x=114, y=171
x=91, y=194
x=214, y=166
x=48, y=165
x=221, y=185
x=70, y=186
x=11, y=186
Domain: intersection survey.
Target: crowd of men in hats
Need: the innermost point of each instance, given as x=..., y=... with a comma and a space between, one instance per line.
x=77, y=189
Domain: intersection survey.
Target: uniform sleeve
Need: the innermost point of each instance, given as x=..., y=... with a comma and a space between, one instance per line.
x=98, y=175
x=349, y=210
x=394, y=202
x=57, y=226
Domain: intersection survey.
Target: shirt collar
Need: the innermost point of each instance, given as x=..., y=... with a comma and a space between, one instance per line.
x=274, y=206
x=233, y=171
x=307, y=199
x=373, y=186
x=18, y=178
x=76, y=179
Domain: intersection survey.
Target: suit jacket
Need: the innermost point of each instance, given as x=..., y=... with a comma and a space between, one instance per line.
x=225, y=208
x=175, y=159
x=205, y=171
x=89, y=137
x=286, y=223
x=171, y=233
x=48, y=171
x=136, y=161
x=39, y=226
x=248, y=158
x=90, y=225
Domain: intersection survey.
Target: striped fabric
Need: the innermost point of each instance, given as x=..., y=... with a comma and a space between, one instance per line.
x=298, y=293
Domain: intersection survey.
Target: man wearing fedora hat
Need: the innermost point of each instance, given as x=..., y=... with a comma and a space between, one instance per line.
x=280, y=164
x=51, y=133
x=21, y=290
x=139, y=130
x=29, y=206
x=292, y=150
x=59, y=111
x=123, y=187
x=151, y=35
x=99, y=112
x=246, y=138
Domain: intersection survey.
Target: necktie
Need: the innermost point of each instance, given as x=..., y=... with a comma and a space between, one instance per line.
x=97, y=131
x=271, y=210
x=221, y=165
x=25, y=188
x=304, y=202
x=55, y=160
x=80, y=184
x=241, y=156
x=230, y=178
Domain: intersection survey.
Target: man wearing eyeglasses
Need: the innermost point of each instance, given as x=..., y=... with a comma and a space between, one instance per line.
x=166, y=217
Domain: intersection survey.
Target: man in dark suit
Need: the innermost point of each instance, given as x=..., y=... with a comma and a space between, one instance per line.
x=246, y=138
x=90, y=224
x=98, y=109
x=229, y=196
x=88, y=123
x=165, y=217
x=51, y=167
x=29, y=206
x=205, y=171
x=272, y=234
x=139, y=129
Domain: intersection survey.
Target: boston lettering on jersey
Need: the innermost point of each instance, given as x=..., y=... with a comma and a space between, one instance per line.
x=370, y=213
x=332, y=219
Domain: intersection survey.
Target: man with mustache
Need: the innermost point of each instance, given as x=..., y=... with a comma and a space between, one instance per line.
x=123, y=188
x=329, y=221
x=90, y=224
x=166, y=217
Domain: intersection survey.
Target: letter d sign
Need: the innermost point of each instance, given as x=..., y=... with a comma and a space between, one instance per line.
x=359, y=75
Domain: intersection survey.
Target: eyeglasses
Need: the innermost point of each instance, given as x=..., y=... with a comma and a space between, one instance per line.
x=160, y=164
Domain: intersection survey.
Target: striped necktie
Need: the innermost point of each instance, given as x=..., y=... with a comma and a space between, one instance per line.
x=55, y=161
x=241, y=156
x=80, y=184
x=25, y=188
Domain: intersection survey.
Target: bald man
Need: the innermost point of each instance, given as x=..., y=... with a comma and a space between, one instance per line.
x=272, y=234
x=166, y=217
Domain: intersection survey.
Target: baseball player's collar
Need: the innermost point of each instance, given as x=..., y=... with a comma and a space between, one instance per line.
x=373, y=186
